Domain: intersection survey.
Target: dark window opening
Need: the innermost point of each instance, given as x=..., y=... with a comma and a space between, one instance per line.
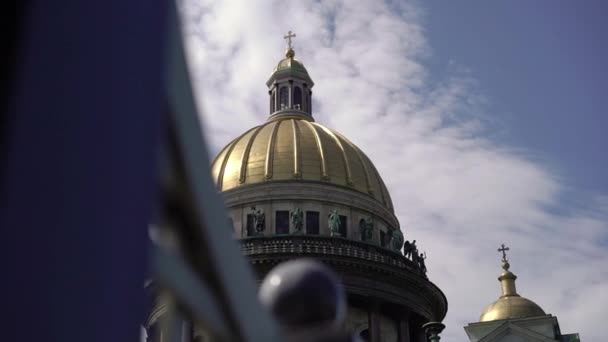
x=343, y=227
x=312, y=222
x=282, y=222
x=249, y=226
x=382, y=238
x=283, y=100
x=297, y=98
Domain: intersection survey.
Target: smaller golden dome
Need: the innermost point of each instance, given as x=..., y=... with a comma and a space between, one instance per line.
x=510, y=304
x=290, y=64
x=511, y=307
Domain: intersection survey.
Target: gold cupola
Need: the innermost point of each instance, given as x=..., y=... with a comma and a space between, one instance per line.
x=510, y=304
x=289, y=86
x=291, y=147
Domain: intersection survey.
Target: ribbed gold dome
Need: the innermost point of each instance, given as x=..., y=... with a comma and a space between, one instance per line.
x=511, y=307
x=294, y=148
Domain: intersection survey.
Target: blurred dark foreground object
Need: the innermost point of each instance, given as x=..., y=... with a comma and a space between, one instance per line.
x=81, y=127
x=99, y=109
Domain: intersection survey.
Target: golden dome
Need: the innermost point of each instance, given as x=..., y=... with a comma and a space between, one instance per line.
x=510, y=304
x=294, y=148
x=290, y=64
x=511, y=307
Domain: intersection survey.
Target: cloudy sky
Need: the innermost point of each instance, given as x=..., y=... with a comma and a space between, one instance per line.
x=487, y=123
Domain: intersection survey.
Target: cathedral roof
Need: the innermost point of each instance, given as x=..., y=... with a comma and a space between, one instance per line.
x=510, y=304
x=294, y=148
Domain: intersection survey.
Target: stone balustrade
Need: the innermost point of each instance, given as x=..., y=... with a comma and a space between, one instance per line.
x=319, y=246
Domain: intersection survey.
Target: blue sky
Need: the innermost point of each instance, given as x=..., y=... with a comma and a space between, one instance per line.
x=544, y=65
x=486, y=121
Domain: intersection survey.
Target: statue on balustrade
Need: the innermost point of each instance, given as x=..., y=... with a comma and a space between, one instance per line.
x=366, y=226
x=297, y=220
x=259, y=220
x=409, y=248
x=421, y=263
x=396, y=240
x=333, y=222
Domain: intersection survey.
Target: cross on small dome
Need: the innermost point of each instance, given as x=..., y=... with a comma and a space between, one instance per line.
x=504, y=250
x=289, y=53
x=288, y=37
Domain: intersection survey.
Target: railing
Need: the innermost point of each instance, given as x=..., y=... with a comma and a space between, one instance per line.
x=296, y=106
x=322, y=245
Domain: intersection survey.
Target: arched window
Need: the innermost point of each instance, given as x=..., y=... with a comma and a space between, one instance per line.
x=297, y=98
x=272, y=103
x=283, y=100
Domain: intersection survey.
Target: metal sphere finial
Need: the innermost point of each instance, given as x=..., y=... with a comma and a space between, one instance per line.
x=290, y=53
x=302, y=293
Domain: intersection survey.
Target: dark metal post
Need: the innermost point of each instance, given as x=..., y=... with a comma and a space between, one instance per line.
x=433, y=329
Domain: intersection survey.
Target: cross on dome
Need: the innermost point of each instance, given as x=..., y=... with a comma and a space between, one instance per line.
x=288, y=37
x=504, y=250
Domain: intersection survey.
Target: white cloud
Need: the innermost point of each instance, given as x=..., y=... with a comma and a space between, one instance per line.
x=455, y=190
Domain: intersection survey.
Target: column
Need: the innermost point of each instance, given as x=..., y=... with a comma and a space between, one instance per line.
x=305, y=98
x=276, y=97
x=310, y=102
x=374, y=322
x=271, y=102
x=404, y=328
x=186, y=331
x=290, y=100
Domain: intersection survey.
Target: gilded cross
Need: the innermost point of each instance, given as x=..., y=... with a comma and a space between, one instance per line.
x=288, y=37
x=504, y=250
